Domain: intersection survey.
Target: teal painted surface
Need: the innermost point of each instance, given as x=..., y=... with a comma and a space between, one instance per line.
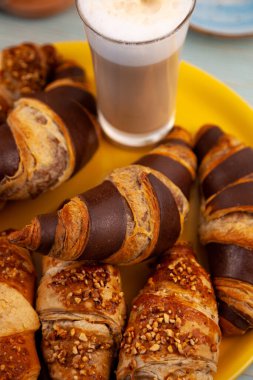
x=230, y=60
x=230, y=17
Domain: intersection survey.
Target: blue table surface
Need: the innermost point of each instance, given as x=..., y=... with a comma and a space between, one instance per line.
x=230, y=60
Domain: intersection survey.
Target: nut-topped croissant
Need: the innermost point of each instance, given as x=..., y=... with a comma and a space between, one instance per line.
x=26, y=68
x=173, y=331
x=226, y=229
x=46, y=139
x=138, y=211
x=18, y=320
x=82, y=311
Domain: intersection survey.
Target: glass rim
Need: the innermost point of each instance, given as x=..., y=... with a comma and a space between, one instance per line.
x=122, y=42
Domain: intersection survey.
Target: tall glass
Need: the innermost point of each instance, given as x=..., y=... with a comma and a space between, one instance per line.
x=136, y=83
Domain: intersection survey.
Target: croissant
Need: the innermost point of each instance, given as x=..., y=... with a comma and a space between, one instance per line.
x=18, y=320
x=173, y=331
x=226, y=229
x=47, y=138
x=138, y=211
x=69, y=69
x=82, y=311
x=5, y=104
x=26, y=68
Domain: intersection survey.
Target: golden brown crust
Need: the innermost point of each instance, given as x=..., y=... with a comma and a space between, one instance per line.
x=72, y=230
x=181, y=154
x=79, y=289
x=18, y=357
x=142, y=231
x=5, y=103
x=145, y=193
x=16, y=268
x=18, y=320
x=25, y=68
x=82, y=310
x=237, y=294
x=229, y=329
x=226, y=175
x=235, y=228
x=77, y=350
x=178, y=133
x=37, y=156
x=60, y=151
x=226, y=146
x=68, y=82
x=48, y=161
x=178, y=270
x=172, y=329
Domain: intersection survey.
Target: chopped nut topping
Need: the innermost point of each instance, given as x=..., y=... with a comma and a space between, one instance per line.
x=72, y=350
x=155, y=347
x=170, y=349
x=78, y=286
x=83, y=337
x=14, y=357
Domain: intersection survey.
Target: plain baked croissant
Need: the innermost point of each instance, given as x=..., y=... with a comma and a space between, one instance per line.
x=226, y=229
x=46, y=139
x=138, y=211
x=18, y=320
x=82, y=310
x=173, y=331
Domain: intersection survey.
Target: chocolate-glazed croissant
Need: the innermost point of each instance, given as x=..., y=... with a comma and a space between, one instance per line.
x=18, y=320
x=69, y=69
x=82, y=311
x=46, y=139
x=226, y=229
x=138, y=211
x=173, y=331
x=69, y=73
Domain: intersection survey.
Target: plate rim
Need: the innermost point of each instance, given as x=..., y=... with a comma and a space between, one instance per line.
x=228, y=90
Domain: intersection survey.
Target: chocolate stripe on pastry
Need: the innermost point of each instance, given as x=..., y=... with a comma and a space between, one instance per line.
x=172, y=169
x=237, y=166
x=230, y=315
x=78, y=123
x=4, y=107
x=170, y=226
x=78, y=95
x=9, y=161
x=207, y=141
x=230, y=261
x=108, y=222
x=74, y=72
x=240, y=195
x=48, y=224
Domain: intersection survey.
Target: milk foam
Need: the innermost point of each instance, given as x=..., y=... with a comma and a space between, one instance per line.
x=135, y=21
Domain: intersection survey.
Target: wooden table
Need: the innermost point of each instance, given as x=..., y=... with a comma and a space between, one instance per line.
x=231, y=61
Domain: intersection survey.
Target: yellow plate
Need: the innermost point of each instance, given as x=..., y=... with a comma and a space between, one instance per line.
x=201, y=99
